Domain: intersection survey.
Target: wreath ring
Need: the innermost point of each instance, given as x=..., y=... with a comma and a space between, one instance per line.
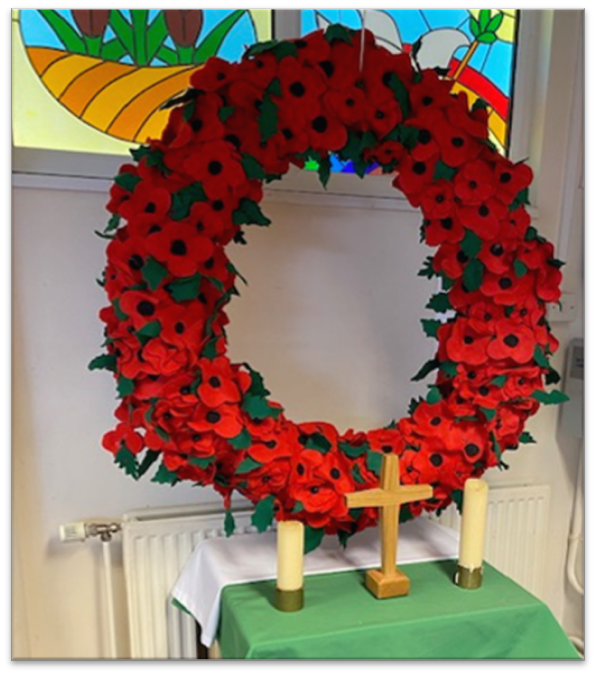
x=168, y=280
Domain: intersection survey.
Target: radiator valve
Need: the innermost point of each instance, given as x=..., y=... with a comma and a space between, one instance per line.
x=80, y=531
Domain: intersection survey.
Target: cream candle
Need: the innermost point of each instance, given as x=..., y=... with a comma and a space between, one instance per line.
x=473, y=523
x=290, y=565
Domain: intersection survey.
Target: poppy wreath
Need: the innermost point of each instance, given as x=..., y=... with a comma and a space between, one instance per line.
x=193, y=415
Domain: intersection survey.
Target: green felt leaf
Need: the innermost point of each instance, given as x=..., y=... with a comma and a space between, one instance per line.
x=458, y=499
x=318, y=442
x=283, y=49
x=499, y=381
x=210, y=350
x=103, y=362
x=242, y=441
x=374, y=461
x=446, y=282
x=496, y=445
x=488, y=413
x=125, y=386
x=440, y=303
x=251, y=167
x=466, y=418
x=434, y=395
x=188, y=110
x=526, y=437
x=151, y=329
x=268, y=118
x=274, y=87
x=225, y=111
x=473, y=274
x=553, y=262
x=120, y=315
x=229, y=523
x=258, y=408
x=186, y=288
x=248, y=465
x=519, y=268
x=165, y=476
x=479, y=104
x=298, y=507
x=408, y=136
x=113, y=223
x=162, y=433
x=430, y=327
x=184, y=199
x=449, y=368
x=471, y=244
x=540, y=357
x=487, y=38
x=102, y=235
x=312, y=538
x=357, y=475
x=257, y=385
x=414, y=403
x=263, y=514
x=427, y=269
x=442, y=170
x=249, y=213
x=127, y=181
x=495, y=23
x=218, y=283
x=522, y=198
x=338, y=32
x=553, y=397
x=261, y=47
x=153, y=273
x=353, y=451
x=401, y=94
x=153, y=157
x=552, y=377
x=148, y=460
x=324, y=171
x=427, y=368
x=201, y=462
x=126, y=460
x=483, y=19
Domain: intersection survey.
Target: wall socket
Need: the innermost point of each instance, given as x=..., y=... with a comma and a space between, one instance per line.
x=564, y=311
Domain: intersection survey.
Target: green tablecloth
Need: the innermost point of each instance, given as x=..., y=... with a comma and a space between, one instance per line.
x=438, y=620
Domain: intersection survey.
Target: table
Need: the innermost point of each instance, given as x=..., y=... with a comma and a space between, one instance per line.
x=438, y=620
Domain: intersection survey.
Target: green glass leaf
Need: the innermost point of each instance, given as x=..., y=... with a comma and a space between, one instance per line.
x=442, y=170
x=229, y=523
x=312, y=538
x=103, y=362
x=165, y=476
x=242, y=441
x=430, y=327
x=211, y=43
x=247, y=465
x=473, y=274
x=148, y=461
x=474, y=27
x=263, y=514
x=440, y=303
x=338, y=32
x=471, y=244
x=487, y=38
x=483, y=19
x=374, y=461
x=427, y=368
x=495, y=23
x=125, y=386
x=353, y=451
x=126, y=460
x=550, y=398
x=70, y=39
x=252, y=168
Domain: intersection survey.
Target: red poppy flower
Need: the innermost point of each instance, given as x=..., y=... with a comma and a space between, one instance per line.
x=443, y=230
x=436, y=200
x=259, y=70
x=270, y=479
x=348, y=104
x=424, y=122
x=382, y=117
x=466, y=345
x=123, y=436
x=483, y=317
x=483, y=219
x=271, y=450
x=217, y=383
x=461, y=298
x=432, y=419
x=325, y=131
x=387, y=153
x=225, y=421
x=413, y=175
x=474, y=122
x=118, y=194
x=146, y=198
x=423, y=466
x=128, y=258
x=512, y=341
x=470, y=438
x=214, y=75
x=163, y=358
x=142, y=307
x=292, y=136
x=217, y=166
x=474, y=184
x=511, y=179
x=180, y=248
x=497, y=255
x=522, y=382
x=548, y=282
x=451, y=260
x=379, y=67
x=386, y=441
x=516, y=224
x=341, y=67
x=457, y=146
x=301, y=87
x=313, y=48
x=507, y=289
x=182, y=326
x=431, y=91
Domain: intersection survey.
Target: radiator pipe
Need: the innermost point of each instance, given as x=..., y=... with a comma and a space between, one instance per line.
x=575, y=533
x=109, y=594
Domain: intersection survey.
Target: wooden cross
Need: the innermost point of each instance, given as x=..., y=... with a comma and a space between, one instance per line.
x=388, y=582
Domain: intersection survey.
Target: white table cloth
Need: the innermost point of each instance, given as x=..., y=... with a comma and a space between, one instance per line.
x=243, y=558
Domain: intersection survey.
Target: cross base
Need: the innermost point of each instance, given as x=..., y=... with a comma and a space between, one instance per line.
x=387, y=585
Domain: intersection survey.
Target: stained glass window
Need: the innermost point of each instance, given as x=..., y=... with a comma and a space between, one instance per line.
x=475, y=48
x=95, y=80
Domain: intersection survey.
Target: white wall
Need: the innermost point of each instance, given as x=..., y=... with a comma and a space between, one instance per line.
x=331, y=318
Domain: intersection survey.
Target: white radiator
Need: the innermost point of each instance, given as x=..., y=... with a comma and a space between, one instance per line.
x=157, y=543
